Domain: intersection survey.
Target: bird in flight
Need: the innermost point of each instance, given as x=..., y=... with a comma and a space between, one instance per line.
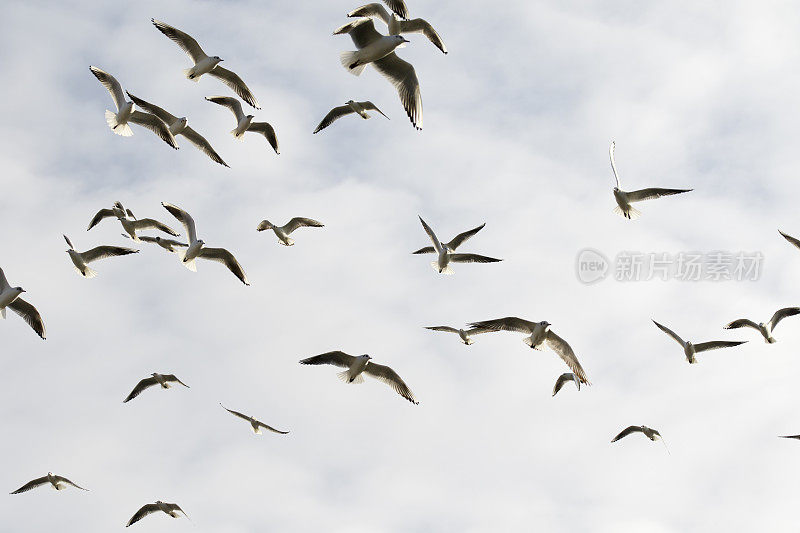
x=398, y=26
x=765, y=328
x=82, y=259
x=244, y=123
x=129, y=222
x=171, y=509
x=56, y=482
x=283, y=232
x=690, y=349
x=564, y=378
x=167, y=244
x=157, y=379
x=447, y=256
x=256, y=425
x=349, y=108
x=464, y=334
x=651, y=434
x=9, y=299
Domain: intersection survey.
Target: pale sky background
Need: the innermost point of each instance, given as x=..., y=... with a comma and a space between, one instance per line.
x=517, y=122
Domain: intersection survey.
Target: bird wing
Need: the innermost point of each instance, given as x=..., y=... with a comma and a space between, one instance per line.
x=231, y=103
x=390, y=377
x=649, y=194
x=442, y=328
x=267, y=131
x=69, y=242
x=103, y=213
x=175, y=507
x=101, y=252
x=478, y=331
x=111, y=84
x=201, y=143
x=29, y=314
x=780, y=314
x=459, y=239
x=422, y=26
x=425, y=250
x=301, y=222
x=236, y=413
x=185, y=219
x=472, y=258
x=150, y=223
x=716, y=345
x=509, y=323
x=627, y=431
x=62, y=479
x=563, y=378
x=361, y=31
x=373, y=107
x=150, y=508
x=221, y=255
x=611, y=150
x=372, y=10
x=742, y=323
x=404, y=78
x=564, y=351
x=154, y=124
x=437, y=245
x=790, y=437
x=670, y=333
x=3, y=281
x=161, y=113
x=174, y=378
x=31, y=485
x=791, y=239
x=333, y=115
x=232, y=80
x=336, y=358
x=398, y=6
x=265, y=426
x=187, y=43
x=142, y=385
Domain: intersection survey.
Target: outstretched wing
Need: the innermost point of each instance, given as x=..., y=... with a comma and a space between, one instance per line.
x=149, y=223
x=202, y=144
x=565, y=352
x=372, y=10
x=231, y=103
x=154, y=124
x=391, y=378
x=649, y=194
x=333, y=115
x=373, y=107
x=336, y=358
x=301, y=222
x=436, y=242
x=404, y=78
x=509, y=323
x=671, y=333
x=221, y=255
x=184, y=218
x=564, y=378
x=111, y=84
x=267, y=131
x=459, y=239
x=422, y=26
x=101, y=252
x=236, y=413
x=361, y=31
x=187, y=43
x=611, y=150
x=442, y=328
x=141, y=386
x=29, y=314
x=270, y=428
x=174, y=379
x=150, y=508
x=425, y=250
x=103, y=213
x=232, y=80
x=31, y=485
x=62, y=479
x=627, y=431
x=472, y=258
x=742, y=323
x=398, y=6
x=716, y=345
x=161, y=113
x=780, y=314
x=791, y=239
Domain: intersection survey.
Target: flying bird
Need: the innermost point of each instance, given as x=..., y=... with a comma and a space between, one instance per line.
x=765, y=329
x=350, y=107
x=282, y=232
x=82, y=259
x=564, y=378
x=130, y=223
x=624, y=198
x=690, y=349
x=464, y=334
x=378, y=50
x=244, y=123
x=118, y=122
x=9, y=299
x=651, y=434
x=540, y=333
x=56, y=482
x=356, y=366
x=398, y=26
x=451, y=246
x=171, y=509
x=117, y=211
x=197, y=249
x=204, y=64
x=179, y=126
x=157, y=379
x=446, y=256
x=167, y=244
x=256, y=425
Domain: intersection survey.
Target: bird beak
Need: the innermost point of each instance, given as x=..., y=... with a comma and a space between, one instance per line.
x=406, y=40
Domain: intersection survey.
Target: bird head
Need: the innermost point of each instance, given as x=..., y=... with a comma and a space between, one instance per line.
x=616, y=189
x=401, y=39
x=349, y=102
x=201, y=242
x=251, y=117
x=217, y=59
x=365, y=356
x=545, y=323
x=19, y=289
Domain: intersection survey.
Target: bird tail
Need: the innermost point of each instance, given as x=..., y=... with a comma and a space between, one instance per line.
x=446, y=270
x=87, y=272
x=345, y=376
x=189, y=73
x=116, y=127
x=188, y=264
x=238, y=136
x=771, y=340
x=350, y=62
x=529, y=342
x=632, y=213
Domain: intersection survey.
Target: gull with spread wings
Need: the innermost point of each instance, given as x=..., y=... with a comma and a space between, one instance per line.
x=56, y=482
x=464, y=334
x=82, y=259
x=690, y=349
x=350, y=107
x=129, y=222
x=255, y=425
x=650, y=433
x=282, y=232
x=566, y=378
x=447, y=256
x=9, y=299
x=398, y=26
x=451, y=246
x=765, y=328
x=171, y=509
x=244, y=123
x=157, y=379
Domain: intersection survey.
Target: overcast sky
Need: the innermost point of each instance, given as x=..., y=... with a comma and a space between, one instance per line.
x=517, y=122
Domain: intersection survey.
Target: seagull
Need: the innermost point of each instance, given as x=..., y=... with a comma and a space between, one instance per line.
x=82, y=259
x=204, y=64
x=158, y=379
x=651, y=434
x=179, y=126
x=57, y=482
x=129, y=223
x=255, y=424
x=624, y=198
x=451, y=246
x=197, y=247
x=690, y=349
x=540, y=333
x=357, y=365
x=244, y=123
x=9, y=299
x=348, y=108
x=563, y=378
x=791, y=239
x=765, y=329
x=167, y=244
x=397, y=26
x=446, y=256
x=118, y=122
x=464, y=334
x=169, y=508
x=283, y=231
x=378, y=49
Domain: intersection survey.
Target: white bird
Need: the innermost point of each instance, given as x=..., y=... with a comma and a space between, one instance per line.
x=9, y=299
x=118, y=122
x=117, y=210
x=167, y=244
x=689, y=349
x=197, y=249
x=446, y=256
x=761, y=327
x=349, y=108
x=171, y=509
x=282, y=232
x=464, y=334
x=157, y=379
x=650, y=433
x=256, y=425
x=398, y=26
x=540, y=333
x=378, y=50
x=362, y=364
x=244, y=123
x=82, y=259
x=564, y=378
x=57, y=482
x=179, y=126
x=624, y=198
x=204, y=64
x=130, y=223
x=451, y=246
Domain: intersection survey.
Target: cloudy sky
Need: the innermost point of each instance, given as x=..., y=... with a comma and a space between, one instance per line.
x=517, y=122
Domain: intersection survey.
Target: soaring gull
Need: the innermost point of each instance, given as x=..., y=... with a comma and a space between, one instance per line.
x=464, y=334
x=157, y=379
x=244, y=123
x=446, y=256
x=82, y=259
x=171, y=509
x=282, y=232
x=451, y=246
x=651, y=434
x=350, y=107
x=255, y=425
x=130, y=223
x=9, y=299
x=56, y=482
x=761, y=327
x=565, y=378
x=398, y=26
x=690, y=349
